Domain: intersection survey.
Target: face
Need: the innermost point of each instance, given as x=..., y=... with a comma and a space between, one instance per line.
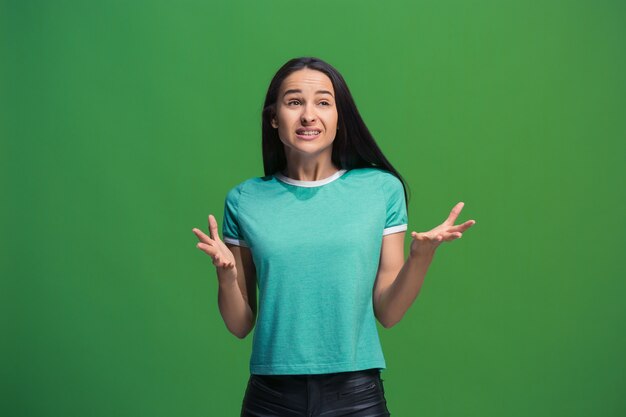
x=306, y=115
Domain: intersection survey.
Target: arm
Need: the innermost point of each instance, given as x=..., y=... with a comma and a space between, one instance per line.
x=237, y=293
x=236, y=275
x=398, y=282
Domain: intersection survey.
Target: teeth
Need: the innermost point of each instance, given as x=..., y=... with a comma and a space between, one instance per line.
x=310, y=132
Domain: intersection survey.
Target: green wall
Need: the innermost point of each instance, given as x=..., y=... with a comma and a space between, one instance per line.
x=123, y=125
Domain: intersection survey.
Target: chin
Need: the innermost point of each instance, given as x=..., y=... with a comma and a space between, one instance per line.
x=310, y=148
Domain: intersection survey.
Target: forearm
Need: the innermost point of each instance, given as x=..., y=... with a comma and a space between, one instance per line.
x=398, y=297
x=234, y=309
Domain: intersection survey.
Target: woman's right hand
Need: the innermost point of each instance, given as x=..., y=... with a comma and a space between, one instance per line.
x=214, y=247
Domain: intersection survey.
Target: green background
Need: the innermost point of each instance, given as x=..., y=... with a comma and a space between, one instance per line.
x=123, y=125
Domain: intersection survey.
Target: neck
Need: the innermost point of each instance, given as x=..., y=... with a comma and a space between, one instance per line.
x=309, y=169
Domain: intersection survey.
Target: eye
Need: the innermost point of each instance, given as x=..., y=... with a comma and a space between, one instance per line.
x=293, y=102
x=324, y=103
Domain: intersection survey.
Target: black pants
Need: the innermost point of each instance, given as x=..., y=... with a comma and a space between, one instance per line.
x=354, y=394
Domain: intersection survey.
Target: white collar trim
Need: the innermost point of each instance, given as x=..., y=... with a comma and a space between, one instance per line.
x=315, y=183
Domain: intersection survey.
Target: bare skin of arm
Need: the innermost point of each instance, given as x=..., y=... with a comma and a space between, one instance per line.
x=398, y=282
x=236, y=275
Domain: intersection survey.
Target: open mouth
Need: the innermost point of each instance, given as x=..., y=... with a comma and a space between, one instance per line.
x=308, y=133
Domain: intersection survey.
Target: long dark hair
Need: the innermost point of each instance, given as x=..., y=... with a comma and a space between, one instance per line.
x=353, y=147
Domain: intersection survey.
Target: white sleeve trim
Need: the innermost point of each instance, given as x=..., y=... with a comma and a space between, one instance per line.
x=238, y=242
x=395, y=229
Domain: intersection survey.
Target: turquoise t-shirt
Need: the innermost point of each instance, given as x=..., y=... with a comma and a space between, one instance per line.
x=316, y=248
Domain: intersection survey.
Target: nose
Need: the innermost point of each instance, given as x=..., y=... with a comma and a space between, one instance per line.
x=307, y=115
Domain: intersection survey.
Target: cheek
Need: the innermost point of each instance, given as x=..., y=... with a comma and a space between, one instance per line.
x=282, y=132
x=286, y=118
x=331, y=124
x=333, y=121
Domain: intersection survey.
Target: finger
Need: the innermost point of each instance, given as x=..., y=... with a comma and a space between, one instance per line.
x=464, y=226
x=448, y=237
x=461, y=227
x=208, y=249
x=454, y=213
x=219, y=262
x=425, y=237
x=222, y=264
x=213, y=228
x=202, y=237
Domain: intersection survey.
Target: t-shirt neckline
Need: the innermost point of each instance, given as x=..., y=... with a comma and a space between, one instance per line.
x=316, y=183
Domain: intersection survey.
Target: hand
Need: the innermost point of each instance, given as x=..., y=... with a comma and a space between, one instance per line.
x=425, y=244
x=214, y=247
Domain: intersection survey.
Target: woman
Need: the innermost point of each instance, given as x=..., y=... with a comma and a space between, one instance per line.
x=323, y=233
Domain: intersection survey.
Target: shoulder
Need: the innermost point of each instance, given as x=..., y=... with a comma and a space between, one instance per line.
x=379, y=176
x=248, y=186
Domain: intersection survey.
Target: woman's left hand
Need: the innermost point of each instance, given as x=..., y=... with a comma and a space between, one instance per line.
x=425, y=244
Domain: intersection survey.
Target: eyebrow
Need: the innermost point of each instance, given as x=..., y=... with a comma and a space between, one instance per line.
x=299, y=91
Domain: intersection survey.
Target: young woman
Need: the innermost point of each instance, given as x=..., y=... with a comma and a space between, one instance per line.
x=322, y=235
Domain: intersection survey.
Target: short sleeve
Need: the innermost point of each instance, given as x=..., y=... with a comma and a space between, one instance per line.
x=397, y=217
x=231, y=228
